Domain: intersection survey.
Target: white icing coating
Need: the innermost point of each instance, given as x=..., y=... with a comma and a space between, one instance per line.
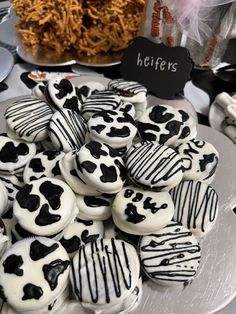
x=81, y=232
x=67, y=130
x=153, y=166
x=49, y=263
x=38, y=91
x=129, y=90
x=139, y=212
x=14, y=154
x=44, y=164
x=61, y=93
x=114, y=128
x=230, y=131
x=170, y=256
x=71, y=177
x=100, y=167
x=196, y=206
x=45, y=206
x=28, y=119
x=200, y=160
x=161, y=123
x=94, y=207
x=104, y=273
x=13, y=184
x=3, y=198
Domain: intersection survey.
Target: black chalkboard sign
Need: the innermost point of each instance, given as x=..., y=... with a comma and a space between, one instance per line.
x=161, y=69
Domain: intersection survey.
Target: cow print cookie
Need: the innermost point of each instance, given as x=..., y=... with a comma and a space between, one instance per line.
x=153, y=166
x=28, y=118
x=139, y=212
x=100, y=167
x=196, y=206
x=114, y=128
x=45, y=206
x=14, y=154
x=200, y=160
x=61, y=93
x=72, y=178
x=93, y=277
x=94, y=207
x=26, y=292
x=44, y=164
x=13, y=183
x=81, y=232
x=170, y=256
x=67, y=130
x=160, y=123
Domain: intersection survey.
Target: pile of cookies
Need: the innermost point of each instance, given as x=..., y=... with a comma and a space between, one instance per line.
x=75, y=159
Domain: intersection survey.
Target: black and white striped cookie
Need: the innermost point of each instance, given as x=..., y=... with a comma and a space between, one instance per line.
x=196, y=206
x=153, y=166
x=170, y=256
x=85, y=90
x=28, y=118
x=67, y=130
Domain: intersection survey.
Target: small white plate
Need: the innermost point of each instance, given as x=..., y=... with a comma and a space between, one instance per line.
x=6, y=63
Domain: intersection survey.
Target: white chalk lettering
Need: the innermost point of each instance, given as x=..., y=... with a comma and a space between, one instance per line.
x=158, y=63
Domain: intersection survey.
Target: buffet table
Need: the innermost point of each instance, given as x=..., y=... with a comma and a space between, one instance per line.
x=200, y=91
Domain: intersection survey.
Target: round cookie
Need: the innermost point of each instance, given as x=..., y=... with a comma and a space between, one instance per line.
x=43, y=291
x=45, y=206
x=27, y=119
x=114, y=128
x=71, y=177
x=93, y=277
x=200, y=160
x=170, y=256
x=196, y=206
x=154, y=166
x=161, y=123
x=81, y=232
x=44, y=164
x=38, y=91
x=3, y=198
x=61, y=93
x=67, y=130
x=13, y=183
x=140, y=212
x=100, y=167
x=101, y=100
x=14, y=154
x=94, y=207
x=129, y=90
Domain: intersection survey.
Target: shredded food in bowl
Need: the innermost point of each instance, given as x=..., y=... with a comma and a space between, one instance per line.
x=89, y=26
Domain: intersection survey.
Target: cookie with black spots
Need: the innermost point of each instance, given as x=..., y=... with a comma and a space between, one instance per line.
x=44, y=164
x=100, y=167
x=27, y=119
x=200, y=160
x=81, y=232
x=137, y=211
x=46, y=258
x=85, y=90
x=61, y=93
x=67, y=130
x=115, y=128
x=13, y=183
x=160, y=123
x=45, y=206
x=14, y=154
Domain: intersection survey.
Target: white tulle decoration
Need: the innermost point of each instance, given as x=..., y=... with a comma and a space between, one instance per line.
x=196, y=17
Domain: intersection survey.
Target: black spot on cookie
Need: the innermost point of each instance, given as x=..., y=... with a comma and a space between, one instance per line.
x=109, y=174
x=86, y=238
x=39, y=250
x=92, y=201
x=11, y=153
x=133, y=215
x=52, y=192
x=64, y=88
x=27, y=200
x=71, y=245
x=53, y=270
x=12, y=265
x=32, y=292
x=89, y=166
x=45, y=218
x=95, y=149
x=119, y=132
x=36, y=165
x=51, y=154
